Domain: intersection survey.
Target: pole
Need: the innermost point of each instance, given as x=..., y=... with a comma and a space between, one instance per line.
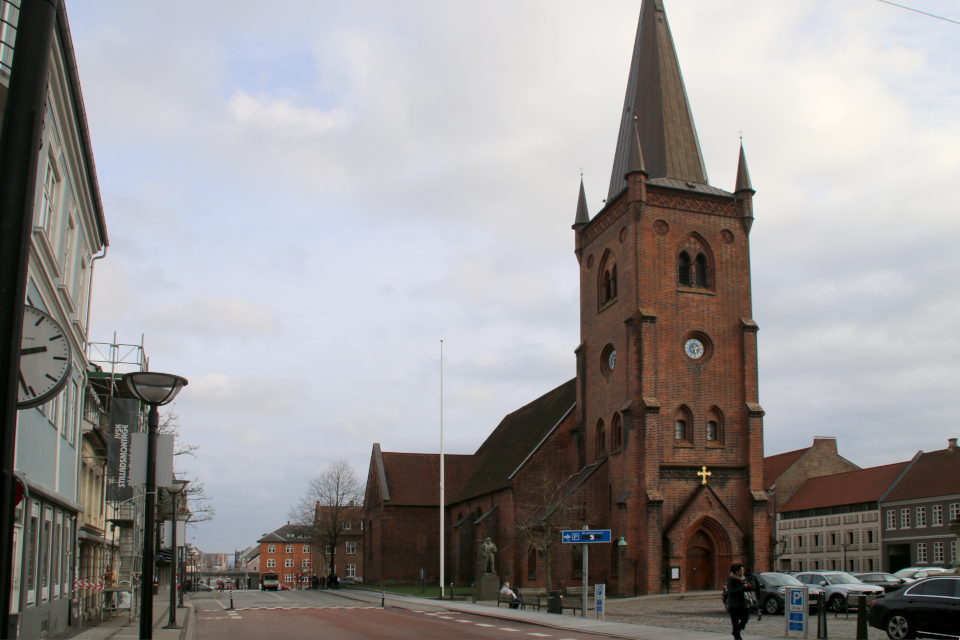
x=586, y=569
x=172, y=622
x=149, y=540
x=19, y=152
x=441, y=472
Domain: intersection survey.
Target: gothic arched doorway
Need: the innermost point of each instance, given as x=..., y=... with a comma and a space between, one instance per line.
x=700, y=562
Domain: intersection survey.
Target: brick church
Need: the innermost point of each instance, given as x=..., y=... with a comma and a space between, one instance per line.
x=660, y=435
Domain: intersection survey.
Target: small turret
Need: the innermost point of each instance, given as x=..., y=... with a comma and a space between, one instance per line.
x=744, y=190
x=583, y=216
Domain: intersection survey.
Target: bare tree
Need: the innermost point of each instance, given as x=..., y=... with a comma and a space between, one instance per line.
x=543, y=510
x=195, y=495
x=333, y=499
x=170, y=424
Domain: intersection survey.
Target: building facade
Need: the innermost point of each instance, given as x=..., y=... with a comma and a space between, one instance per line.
x=290, y=553
x=51, y=530
x=662, y=440
x=920, y=516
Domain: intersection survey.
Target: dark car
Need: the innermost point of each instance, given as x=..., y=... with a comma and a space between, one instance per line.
x=928, y=606
x=772, y=587
x=888, y=581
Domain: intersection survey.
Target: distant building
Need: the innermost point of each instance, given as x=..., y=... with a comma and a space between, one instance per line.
x=290, y=553
x=920, y=510
x=832, y=523
x=348, y=555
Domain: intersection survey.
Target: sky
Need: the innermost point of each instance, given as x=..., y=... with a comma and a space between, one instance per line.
x=303, y=198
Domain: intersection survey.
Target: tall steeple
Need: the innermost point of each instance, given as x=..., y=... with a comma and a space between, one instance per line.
x=658, y=99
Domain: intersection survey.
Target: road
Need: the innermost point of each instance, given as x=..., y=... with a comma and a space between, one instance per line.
x=353, y=615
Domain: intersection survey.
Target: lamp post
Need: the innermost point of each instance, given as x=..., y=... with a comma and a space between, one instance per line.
x=845, y=545
x=175, y=491
x=621, y=551
x=155, y=390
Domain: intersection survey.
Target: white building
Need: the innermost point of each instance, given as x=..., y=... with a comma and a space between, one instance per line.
x=69, y=234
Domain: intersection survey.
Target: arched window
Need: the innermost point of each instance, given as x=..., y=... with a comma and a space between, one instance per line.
x=479, y=512
x=613, y=282
x=712, y=431
x=608, y=279
x=532, y=563
x=700, y=272
x=616, y=432
x=683, y=266
x=715, y=426
x=683, y=426
x=601, y=438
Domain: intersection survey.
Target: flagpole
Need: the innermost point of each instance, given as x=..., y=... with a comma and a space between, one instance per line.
x=441, y=471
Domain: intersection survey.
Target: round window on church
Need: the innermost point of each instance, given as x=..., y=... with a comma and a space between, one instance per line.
x=697, y=347
x=608, y=359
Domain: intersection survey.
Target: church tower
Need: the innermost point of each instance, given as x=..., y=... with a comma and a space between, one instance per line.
x=667, y=365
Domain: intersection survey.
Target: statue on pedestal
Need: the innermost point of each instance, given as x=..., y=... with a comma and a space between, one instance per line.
x=487, y=549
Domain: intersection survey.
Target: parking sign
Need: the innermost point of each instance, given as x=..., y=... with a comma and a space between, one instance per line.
x=795, y=620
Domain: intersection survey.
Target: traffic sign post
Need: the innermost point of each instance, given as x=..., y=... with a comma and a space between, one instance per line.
x=585, y=537
x=600, y=597
x=795, y=619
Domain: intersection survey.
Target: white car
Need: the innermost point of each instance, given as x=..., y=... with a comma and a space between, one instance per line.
x=912, y=574
x=838, y=587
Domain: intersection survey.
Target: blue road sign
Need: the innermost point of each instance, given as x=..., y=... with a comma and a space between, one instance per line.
x=585, y=536
x=796, y=598
x=796, y=616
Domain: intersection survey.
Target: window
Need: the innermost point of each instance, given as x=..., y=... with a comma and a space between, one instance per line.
x=271, y=548
x=48, y=198
x=853, y=564
x=680, y=430
x=921, y=517
x=904, y=518
x=271, y=562
x=351, y=547
x=833, y=565
x=869, y=564
x=953, y=551
x=347, y=525
x=617, y=432
x=289, y=548
x=870, y=535
x=288, y=562
x=305, y=563
x=351, y=570
x=700, y=272
x=921, y=552
x=608, y=279
x=954, y=511
x=938, y=552
x=851, y=537
x=937, y=511
x=532, y=563
x=816, y=542
x=891, y=519
x=683, y=268
x=306, y=548
x=601, y=438
x=711, y=431
x=288, y=577
x=799, y=542
x=833, y=539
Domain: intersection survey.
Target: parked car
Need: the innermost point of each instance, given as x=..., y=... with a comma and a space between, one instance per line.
x=838, y=586
x=928, y=606
x=772, y=588
x=887, y=581
x=351, y=580
x=203, y=587
x=911, y=574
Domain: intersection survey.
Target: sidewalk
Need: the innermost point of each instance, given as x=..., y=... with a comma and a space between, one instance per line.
x=120, y=627
x=576, y=623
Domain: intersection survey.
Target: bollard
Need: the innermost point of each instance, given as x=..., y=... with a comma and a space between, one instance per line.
x=473, y=592
x=383, y=597
x=821, y=616
x=861, y=617
x=231, y=601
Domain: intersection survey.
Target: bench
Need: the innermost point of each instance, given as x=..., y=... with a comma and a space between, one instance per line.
x=574, y=599
x=529, y=597
x=504, y=599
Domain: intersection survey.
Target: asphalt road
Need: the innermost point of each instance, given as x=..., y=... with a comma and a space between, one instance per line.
x=354, y=615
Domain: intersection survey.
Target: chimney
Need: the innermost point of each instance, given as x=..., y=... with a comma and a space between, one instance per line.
x=953, y=444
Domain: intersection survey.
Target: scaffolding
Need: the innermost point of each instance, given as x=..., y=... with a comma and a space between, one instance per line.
x=109, y=361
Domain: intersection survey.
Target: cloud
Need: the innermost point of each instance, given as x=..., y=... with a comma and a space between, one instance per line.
x=262, y=112
x=206, y=313
x=235, y=394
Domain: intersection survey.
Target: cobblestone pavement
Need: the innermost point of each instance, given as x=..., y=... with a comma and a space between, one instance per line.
x=707, y=614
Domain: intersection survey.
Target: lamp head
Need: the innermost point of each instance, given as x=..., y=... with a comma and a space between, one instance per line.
x=621, y=542
x=156, y=389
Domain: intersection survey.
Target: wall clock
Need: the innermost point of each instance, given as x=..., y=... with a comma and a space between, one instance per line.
x=694, y=348
x=45, y=359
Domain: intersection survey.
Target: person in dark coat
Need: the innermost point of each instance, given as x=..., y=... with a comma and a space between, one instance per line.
x=751, y=579
x=735, y=588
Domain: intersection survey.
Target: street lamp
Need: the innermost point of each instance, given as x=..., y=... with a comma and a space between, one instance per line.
x=174, y=491
x=621, y=551
x=845, y=545
x=155, y=390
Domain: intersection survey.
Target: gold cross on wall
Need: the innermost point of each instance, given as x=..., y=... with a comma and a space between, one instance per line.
x=704, y=473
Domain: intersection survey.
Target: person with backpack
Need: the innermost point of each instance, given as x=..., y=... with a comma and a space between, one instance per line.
x=750, y=597
x=735, y=589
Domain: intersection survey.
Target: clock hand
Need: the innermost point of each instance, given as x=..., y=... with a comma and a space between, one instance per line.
x=23, y=383
x=30, y=350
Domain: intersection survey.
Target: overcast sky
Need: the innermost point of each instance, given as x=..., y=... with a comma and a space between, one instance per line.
x=304, y=197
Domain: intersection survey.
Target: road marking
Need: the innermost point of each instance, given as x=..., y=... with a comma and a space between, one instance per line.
x=509, y=629
x=464, y=621
x=480, y=624
x=540, y=635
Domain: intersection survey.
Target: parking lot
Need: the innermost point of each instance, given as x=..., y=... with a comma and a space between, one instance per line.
x=702, y=613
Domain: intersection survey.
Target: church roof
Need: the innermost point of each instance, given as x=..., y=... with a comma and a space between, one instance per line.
x=657, y=97
x=852, y=487
x=936, y=473
x=514, y=439
x=413, y=479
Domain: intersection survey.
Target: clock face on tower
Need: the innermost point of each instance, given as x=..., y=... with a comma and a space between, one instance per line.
x=45, y=359
x=693, y=348
x=612, y=359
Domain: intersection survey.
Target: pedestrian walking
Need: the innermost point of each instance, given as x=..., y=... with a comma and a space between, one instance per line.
x=736, y=600
x=751, y=597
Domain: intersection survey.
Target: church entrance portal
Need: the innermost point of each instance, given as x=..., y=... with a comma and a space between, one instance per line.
x=700, y=562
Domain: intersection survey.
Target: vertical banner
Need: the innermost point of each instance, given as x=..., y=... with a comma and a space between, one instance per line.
x=123, y=423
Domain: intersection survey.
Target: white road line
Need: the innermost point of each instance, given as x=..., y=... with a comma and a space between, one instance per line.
x=508, y=629
x=480, y=624
x=540, y=635
x=463, y=621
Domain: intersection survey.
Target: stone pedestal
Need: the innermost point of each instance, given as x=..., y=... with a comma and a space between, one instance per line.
x=489, y=587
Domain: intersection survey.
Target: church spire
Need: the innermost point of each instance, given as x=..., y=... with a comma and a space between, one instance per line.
x=583, y=216
x=657, y=98
x=743, y=175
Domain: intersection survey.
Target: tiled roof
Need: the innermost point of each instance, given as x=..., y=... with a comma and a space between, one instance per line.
x=852, y=487
x=287, y=533
x=776, y=466
x=517, y=435
x=933, y=474
x=414, y=478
